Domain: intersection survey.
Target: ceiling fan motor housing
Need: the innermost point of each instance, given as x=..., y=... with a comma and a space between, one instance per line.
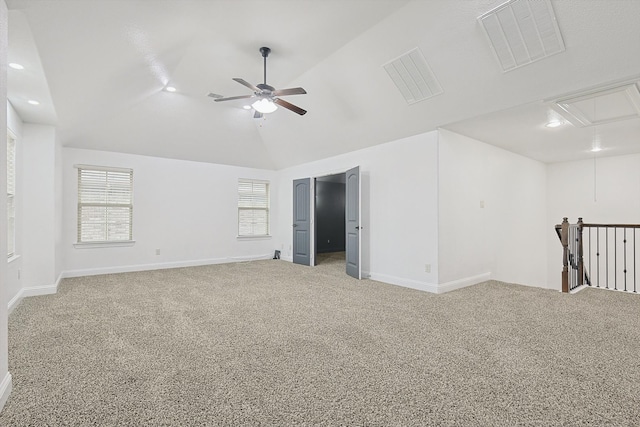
x=265, y=87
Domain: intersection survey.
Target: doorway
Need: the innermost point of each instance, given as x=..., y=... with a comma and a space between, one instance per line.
x=305, y=239
x=329, y=207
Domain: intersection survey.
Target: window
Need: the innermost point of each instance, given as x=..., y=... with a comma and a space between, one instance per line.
x=105, y=205
x=11, y=196
x=253, y=208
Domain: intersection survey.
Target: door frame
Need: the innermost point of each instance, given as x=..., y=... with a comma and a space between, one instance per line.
x=313, y=225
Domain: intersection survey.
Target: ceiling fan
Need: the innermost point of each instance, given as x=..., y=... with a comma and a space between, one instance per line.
x=267, y=96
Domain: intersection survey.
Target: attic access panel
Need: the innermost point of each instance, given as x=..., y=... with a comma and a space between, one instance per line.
x=601, y=106
x=521, y=32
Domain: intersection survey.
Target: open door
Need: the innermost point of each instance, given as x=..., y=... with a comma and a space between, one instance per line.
x=352, y=218
x=302, y=221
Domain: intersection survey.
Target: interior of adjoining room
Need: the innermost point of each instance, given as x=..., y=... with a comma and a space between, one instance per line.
x=330, y=202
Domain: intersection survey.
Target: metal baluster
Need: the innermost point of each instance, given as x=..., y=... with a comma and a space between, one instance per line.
x=615, y=258
x=598, y=255
x=625, y=258
x=634, y=260
x=589, y=268
x=606, y=258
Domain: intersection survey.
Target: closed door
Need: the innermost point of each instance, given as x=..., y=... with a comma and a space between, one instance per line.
x=302, y=221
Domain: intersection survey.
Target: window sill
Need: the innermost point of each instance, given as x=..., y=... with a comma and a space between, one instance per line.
x=12, y=258
x=266, y=237
x=94, y=245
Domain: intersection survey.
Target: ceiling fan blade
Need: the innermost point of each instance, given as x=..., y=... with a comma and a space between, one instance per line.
x=289, y=106
x=234, y=97
x=247, y=84
x=291, y=91
x=257, y=115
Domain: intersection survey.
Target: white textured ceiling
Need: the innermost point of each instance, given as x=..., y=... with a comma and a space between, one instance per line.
x=99, y=69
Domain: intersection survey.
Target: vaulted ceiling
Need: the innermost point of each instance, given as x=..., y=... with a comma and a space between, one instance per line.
x=99, y=69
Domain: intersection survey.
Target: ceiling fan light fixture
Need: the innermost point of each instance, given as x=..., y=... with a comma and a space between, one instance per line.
x=264, y=106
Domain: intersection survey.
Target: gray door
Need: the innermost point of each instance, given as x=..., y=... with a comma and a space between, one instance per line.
x=352, y=218
x=302, y=221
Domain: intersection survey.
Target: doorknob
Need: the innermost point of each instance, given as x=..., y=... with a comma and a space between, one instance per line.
x=359, y=228
x=294, y=225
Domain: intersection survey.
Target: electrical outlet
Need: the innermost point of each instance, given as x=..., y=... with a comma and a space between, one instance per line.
x=427, y=268
x=157, y=251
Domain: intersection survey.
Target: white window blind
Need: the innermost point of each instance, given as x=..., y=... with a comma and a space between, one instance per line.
x=11, y=195
x=105, y=204
x=253, y=208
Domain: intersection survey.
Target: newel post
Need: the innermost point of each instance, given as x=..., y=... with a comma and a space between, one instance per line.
x=580, y=254
x=564, y=239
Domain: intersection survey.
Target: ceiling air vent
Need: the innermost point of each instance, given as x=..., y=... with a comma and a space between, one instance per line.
x=522, y=31
x=413, y=77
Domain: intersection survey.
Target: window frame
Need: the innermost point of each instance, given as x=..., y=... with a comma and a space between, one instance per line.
x=11, y=194
x=107, y=205
x=255, y=205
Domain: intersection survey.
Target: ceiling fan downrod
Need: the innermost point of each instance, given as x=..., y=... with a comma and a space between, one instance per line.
x=265, y=52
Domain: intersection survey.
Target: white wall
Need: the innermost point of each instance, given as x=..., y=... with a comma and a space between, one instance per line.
x=399, y=208
x=14, y=124
x=57, y=208
x=612, y=198
x=5, y=377
x=38, y=195
x=186, y=209
x=504, y=239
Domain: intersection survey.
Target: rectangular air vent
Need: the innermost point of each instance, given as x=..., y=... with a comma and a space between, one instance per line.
x=522, y=31
x=601, y=106
x=413, y=77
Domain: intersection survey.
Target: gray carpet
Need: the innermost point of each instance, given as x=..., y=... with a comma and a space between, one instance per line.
x=272, y=343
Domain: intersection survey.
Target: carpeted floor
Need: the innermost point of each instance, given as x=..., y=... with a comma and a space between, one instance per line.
x=273, y=343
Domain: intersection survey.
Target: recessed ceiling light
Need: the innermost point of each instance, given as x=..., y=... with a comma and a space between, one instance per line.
x=33, y=102
x=596, y=149
x=247, y=107
x=170, y=89
x=554, y=123
x=16, y=66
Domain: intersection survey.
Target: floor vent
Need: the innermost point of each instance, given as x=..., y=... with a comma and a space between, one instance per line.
x=522, y=31
x=413, y=77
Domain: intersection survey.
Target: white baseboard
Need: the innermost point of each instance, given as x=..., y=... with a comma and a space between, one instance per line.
x=407, y=283
x=463, y=283
x=439, y=288
x=13, y=303
x=161, y=266
x=5, y=390
x=33, y=291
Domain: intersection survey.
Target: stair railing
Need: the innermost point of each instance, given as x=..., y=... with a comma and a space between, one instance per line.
x=611, y=258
